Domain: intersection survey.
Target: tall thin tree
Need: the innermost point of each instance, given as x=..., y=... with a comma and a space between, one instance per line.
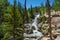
x=1, y=12
x=14, y=21
x=25, y=11
x=21, y=16
x=49, y=18
x=31, y=12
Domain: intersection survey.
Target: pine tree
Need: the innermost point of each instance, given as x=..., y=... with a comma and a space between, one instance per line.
x=1, y=12
x=21, y=16
x=3, y=8
x=36, y=9
x=1, y=19
x=25, y=13
x=31, y=12
x=20, y=9
x=14, y=21
x=56, y=5
x=9, y=18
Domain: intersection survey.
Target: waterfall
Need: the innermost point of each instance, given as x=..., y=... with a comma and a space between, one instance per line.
x=35, y=33
x=35, y=22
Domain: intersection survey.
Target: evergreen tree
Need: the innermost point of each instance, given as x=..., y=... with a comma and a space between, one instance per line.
x=11, y=21
x=31, y=12
x=3, y=8
x=14, y=20
x=21, y=30
x=56, y=5
x=1, y=20
x=25, y=13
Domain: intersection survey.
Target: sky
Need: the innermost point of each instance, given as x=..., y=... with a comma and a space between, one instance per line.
x=34, y=3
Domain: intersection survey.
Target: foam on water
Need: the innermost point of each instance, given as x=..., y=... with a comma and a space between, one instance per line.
x=35, y=22
x=35, y=33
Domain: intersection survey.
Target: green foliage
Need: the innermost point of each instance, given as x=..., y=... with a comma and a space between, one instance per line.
x=43, y=19
x=57, y=5
x=31, y=12
x=42, y=8
x=11, y=16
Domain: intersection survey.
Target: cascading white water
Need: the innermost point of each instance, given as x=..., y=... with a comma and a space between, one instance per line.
x=35, y=22
x=35, y=33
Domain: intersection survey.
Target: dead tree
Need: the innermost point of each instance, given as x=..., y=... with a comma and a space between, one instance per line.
x=49, y=19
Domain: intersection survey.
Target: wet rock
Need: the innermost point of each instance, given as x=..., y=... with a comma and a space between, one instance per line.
x=58, y=38
x=55, y=36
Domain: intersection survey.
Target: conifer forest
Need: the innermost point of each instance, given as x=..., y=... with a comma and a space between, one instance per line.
x=30, y=20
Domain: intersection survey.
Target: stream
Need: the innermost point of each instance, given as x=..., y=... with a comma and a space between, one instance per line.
x=35, y=35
